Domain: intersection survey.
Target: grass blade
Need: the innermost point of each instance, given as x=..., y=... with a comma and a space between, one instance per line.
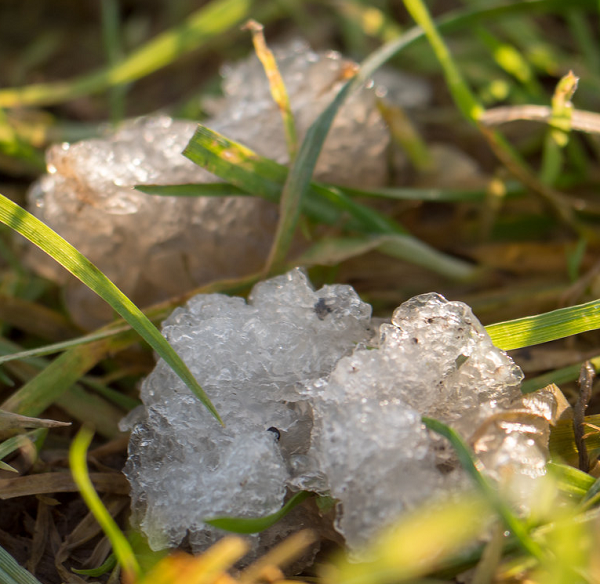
x=542, y=328
x=105, y=567
x=558, y=376
x=193, y=190
x=330, y=251
x=82, y=405
x=262, y=177
x=473, y=111
x=571, y=480
x=420, y=542
x=202, y=26
x=464, y=98
x=468, y=462
x=12, y=573
x=298, y=181
x=65, y=254
x=254, y=525
x=59, y=347
x=51, y=383
x=120, y=545
x=276, y=84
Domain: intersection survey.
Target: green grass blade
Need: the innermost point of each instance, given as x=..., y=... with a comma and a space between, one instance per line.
x=7, y=467
x=464, y=98
x=468, y=462
x=111, y=39
x=245, y=525
x=202, y=26
x=65, y=254
x=542, y=328
x=558, y=376
x=262, y=177
x=12, y=573
x=572, y=480
x=513, y=189
x=298, y=181
x=79, y=470
x=289, y=206
x=407, y=248
x=473, y=111
x=218, y=17
x=105, y=567
x=40, y=390
x=62, y=346
x=193, y=190
x=51, y=383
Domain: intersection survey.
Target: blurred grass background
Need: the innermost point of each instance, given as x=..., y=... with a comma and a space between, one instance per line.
x=70, y=69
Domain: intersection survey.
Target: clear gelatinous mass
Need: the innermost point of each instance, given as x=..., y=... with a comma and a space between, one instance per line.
x=313, y=398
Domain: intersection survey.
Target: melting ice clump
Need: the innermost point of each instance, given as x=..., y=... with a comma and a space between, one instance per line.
x=155, y=247
x=313, y=398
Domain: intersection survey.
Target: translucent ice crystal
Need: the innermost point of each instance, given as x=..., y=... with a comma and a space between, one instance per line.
x=435, y=359
x=156, y=247
x=252, y=359
x=313, y=399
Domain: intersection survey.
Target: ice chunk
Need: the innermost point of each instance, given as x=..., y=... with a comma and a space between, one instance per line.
x=252, y=359
x=154, y=247
x=435, y=359
x=313, y=400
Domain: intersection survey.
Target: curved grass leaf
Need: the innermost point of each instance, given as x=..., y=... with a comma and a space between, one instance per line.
x=79, y=470
x=105, y=567
x=330, y=251
x=65, y=254
x=542, y=328
x=462, y=95
x=469, y=463
x=245, y=525
x=592, y=497
x=276, y=84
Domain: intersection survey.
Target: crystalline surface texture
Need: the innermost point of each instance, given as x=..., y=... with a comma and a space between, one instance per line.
x=155, y=247
x=435, y=359
x=311, y=399
x=252, y=359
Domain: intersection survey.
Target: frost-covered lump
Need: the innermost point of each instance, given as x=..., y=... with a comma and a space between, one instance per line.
x=313, y=398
